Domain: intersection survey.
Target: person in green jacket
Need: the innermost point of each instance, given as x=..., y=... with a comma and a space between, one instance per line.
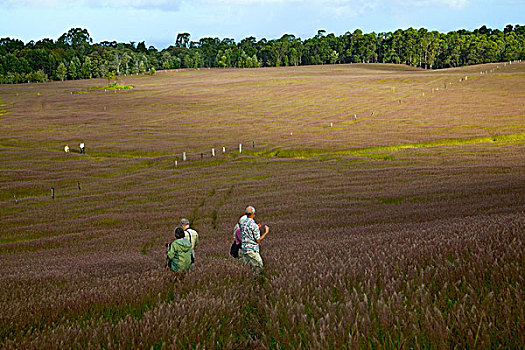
x=179, y=253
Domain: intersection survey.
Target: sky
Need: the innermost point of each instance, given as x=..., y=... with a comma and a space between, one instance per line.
x=157, y=22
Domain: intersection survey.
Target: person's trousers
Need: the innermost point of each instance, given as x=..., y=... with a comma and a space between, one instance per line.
x=254, y=259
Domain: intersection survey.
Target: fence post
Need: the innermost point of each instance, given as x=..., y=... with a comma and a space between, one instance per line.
x=78, y=184
x=53, y=193
x=240, y=147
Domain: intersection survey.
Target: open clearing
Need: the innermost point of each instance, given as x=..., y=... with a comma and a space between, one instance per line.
x=395, y=199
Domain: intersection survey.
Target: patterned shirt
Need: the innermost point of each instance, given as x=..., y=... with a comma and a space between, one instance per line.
x=250, y=233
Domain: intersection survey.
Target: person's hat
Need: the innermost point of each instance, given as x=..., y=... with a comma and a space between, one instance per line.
x=184, y=222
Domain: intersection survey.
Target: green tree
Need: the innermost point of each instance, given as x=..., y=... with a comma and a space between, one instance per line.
x=86, y=68
x=209, y=48
x=61, y=71
x=183, y=40
x=512, y=47
x=111, y=76
x=74, y=68
x=124, y=62
x=103, y=69
x=117, y=61
x=142, y=67
x=75, y=37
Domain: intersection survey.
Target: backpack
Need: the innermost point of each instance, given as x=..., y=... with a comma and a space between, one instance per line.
x=234, y=249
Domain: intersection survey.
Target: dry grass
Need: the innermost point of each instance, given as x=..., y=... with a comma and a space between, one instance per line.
x=404, y=228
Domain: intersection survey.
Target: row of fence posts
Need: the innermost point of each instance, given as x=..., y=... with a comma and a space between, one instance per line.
x=52, y=192
x=213, y=154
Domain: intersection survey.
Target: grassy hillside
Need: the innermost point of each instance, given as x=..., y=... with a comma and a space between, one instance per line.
x=394, y=198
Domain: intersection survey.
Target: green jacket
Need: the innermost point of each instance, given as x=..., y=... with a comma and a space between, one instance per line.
x=179, y=254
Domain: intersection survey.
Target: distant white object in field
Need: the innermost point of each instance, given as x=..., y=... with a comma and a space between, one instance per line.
x=291, y=133
x=331, y=124
x=66, y=149
x=184, y=156
x=213, y=152
x=240, y=147
x=176, y=163
x=223, y=149
x=355, y=116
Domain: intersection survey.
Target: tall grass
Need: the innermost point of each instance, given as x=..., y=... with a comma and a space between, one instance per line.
x=422, y=250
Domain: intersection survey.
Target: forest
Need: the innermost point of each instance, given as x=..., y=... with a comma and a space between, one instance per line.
x=75, y=56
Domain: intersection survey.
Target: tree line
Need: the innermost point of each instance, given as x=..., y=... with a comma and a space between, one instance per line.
x=75, y=56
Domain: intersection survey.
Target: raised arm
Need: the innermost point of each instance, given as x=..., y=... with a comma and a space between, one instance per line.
x=266, y=230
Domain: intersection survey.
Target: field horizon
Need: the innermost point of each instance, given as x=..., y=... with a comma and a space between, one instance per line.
x=394, y=196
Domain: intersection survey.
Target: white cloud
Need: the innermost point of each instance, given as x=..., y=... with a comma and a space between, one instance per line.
x=339, y=6
x=248, y=2
x=454, y=4
x=32, y=3
x=167, y=5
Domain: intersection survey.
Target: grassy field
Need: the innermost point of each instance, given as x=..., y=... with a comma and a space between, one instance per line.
x=395, y=199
